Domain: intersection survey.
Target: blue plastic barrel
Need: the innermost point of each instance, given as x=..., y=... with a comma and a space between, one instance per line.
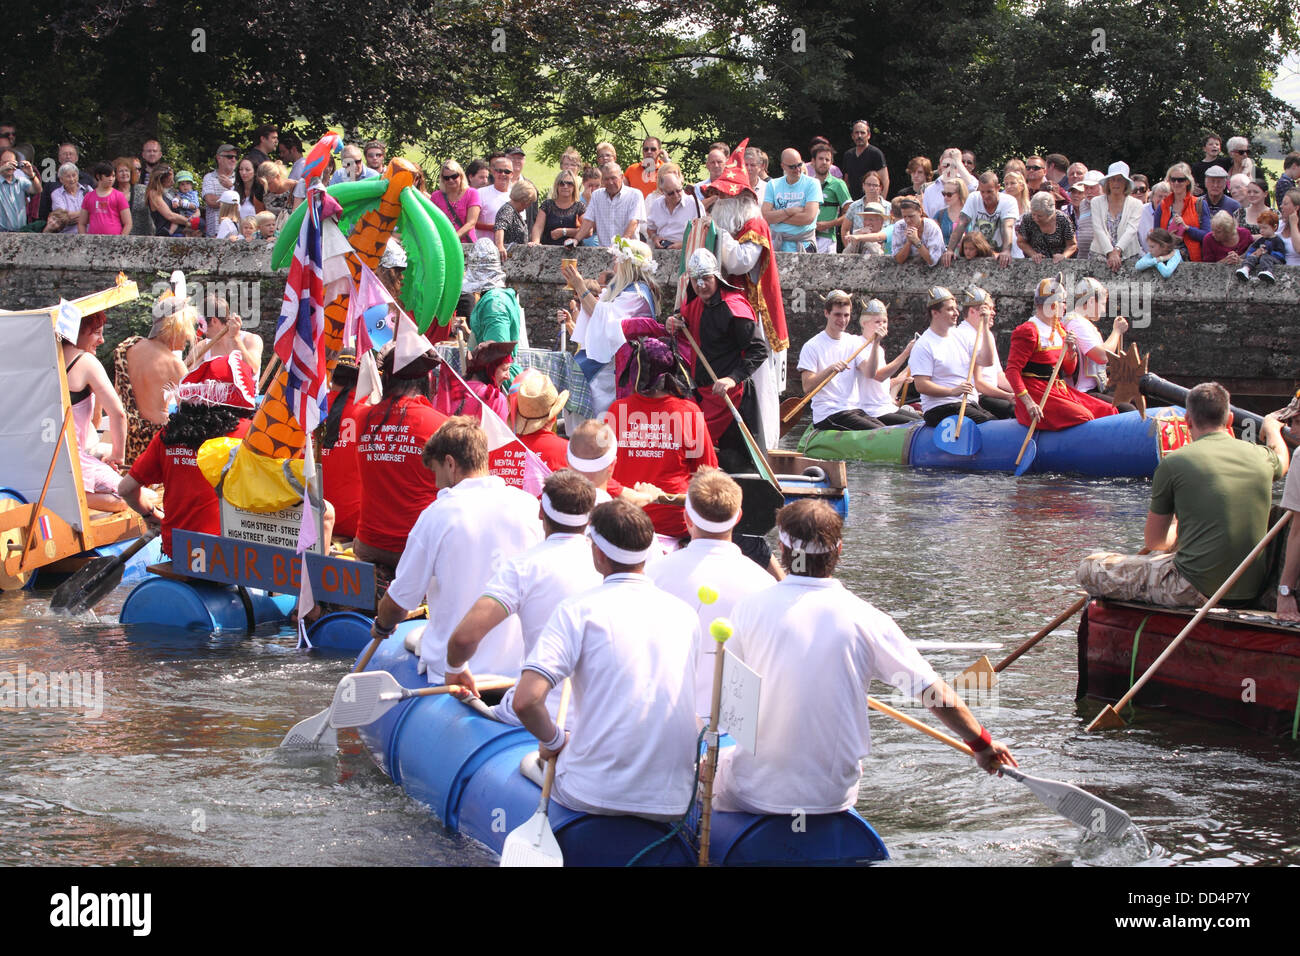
x=201, y=606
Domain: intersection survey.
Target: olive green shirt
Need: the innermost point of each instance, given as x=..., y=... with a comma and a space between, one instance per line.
x=1220, y=489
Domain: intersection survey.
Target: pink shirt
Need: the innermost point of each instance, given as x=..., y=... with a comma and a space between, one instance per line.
x=462, y=205
x=105, y=212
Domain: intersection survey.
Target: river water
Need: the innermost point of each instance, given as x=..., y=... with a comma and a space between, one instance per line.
x=182, y=766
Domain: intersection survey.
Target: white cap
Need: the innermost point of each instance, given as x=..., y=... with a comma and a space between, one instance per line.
x=230, y=196
x=1093, y=178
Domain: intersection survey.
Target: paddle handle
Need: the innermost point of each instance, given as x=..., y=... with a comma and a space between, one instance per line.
x=549, y=780
x=789, y=416
x=1048, y=628
x=504, y=684
x=711, y=758
x=970, y=378
x=1209, y=605
x=269, y=373
x=1051, y=382
x=952, y=742
x=138, y=544
x=49, y=473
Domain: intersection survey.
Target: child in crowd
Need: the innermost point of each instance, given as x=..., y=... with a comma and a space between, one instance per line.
x=975, y=246
x=186, y=197
x=1164, y=254
x=228, y=215
x=266, y=225
x=248, y=228
x=1224, y=239
x=1265, y=251
x=104, y=210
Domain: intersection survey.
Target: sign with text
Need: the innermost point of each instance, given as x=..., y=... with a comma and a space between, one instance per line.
x=738, y=714
x=276, y=528
x=229, y=561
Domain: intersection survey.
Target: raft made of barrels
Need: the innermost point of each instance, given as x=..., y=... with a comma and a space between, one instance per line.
x=174, y=603
x=1117, y=446
x=1237, y=666
x=466, y=768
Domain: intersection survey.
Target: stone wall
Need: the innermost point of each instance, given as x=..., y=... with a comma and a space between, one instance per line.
x=1201, y=323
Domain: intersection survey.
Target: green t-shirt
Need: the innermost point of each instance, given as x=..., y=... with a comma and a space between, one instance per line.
x=1220, y=489
x=496, y=318
x=834, y=195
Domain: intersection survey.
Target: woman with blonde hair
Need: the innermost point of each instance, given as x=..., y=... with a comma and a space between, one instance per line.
x=509, y=227
x=457, y=198
x=954, y=198
x=277, y=188
x=1178, y=210
x=950, y=168
x=627, y=308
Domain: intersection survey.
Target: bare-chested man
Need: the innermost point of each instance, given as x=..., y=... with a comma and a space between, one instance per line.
x=145, y=369
x=225, y=335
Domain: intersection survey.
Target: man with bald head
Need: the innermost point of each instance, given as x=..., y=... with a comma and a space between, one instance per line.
x=613, y=211
x=791, y=205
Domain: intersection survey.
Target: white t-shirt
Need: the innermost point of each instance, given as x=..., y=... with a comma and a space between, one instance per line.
x=988, y=374
x=873, y=394
x=817, y=648
x=841, y=393
x=227, y=228
x=457, y=544
x=530, y=585
x=1088, y=338
x=490, y=200
x=721, y=566
x=945, y=359
x=1291, y=490
x=629, y=651
x=990, y=223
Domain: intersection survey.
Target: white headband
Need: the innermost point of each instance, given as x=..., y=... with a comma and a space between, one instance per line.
x=615, y=553
x=704, y=524
x=592, y=464
x=807, y=547
x=561, y=517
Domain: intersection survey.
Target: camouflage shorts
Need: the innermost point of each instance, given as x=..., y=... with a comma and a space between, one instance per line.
x=1149, y=578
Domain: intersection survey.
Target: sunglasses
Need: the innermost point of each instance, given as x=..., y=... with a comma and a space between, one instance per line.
x=229, y=155
x=566, y=182
x=1139, y=190
x=1178, y=179
x=1237, y=152
x=1034, y=169
x=450, y=176
x=649, y=149
x=948, y=195
x=502, y=172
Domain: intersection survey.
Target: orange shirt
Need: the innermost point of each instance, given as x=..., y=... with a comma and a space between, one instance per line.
x=635, y=175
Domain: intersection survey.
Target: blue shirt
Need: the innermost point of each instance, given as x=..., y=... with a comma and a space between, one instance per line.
x=786, y=195
x=13, y=202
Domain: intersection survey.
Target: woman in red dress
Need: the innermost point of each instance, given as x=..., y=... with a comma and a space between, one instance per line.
x=1035, y=347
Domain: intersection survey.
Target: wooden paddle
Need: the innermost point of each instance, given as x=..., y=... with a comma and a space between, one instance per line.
x=36, y=511
x=315, y=732
x=1074, y=803
x=983, y=674
x=758, y=453
x=533, y=843
x=269, y=373
x=720, y=630
x=970, y=376
x=1033, y=426
x=1109, y=716
x=791, y=407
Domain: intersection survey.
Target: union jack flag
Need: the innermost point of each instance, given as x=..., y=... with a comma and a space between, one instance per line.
x=302, y=321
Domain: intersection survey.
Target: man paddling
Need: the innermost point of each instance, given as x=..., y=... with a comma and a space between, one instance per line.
x=991, y=383
x=457, y=544
x=818, y=647
x=712, y=561
x=531, y=584
x=940, y=363
x=629, y=651
x=1209, y=506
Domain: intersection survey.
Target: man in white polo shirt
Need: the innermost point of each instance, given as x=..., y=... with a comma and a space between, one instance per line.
x=711, y=561
x=818, y=648
x=940, y=362
x=460, y=540
x=613, y=211
x=629, y=650
x=530, y=585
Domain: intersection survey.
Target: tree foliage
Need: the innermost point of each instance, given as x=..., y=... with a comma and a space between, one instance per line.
x=458, y=78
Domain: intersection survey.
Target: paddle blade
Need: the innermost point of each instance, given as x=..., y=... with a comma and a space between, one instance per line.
x=314, y=733
x=979, y=675
x=788, y=419
x=1108, y=719
x=1027, y=459
x=363, y=698
x=88, y=586
x=1078, y=806
x=968, y=442
x=532, y=844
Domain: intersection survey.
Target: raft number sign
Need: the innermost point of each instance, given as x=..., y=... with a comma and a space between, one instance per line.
x=229, y=561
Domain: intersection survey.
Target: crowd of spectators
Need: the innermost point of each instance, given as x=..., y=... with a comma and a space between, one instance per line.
x=1037, y=207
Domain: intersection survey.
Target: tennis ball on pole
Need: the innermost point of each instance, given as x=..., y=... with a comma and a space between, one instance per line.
x=720, y=630
x=706, y=594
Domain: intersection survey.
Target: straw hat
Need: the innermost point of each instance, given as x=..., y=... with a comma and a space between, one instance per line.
x=535, y=403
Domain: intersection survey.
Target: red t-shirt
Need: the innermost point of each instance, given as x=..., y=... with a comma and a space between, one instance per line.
x=339, y=468
x=189, y=502
x=662, y=441
x=395, y=485
x=508, y=460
